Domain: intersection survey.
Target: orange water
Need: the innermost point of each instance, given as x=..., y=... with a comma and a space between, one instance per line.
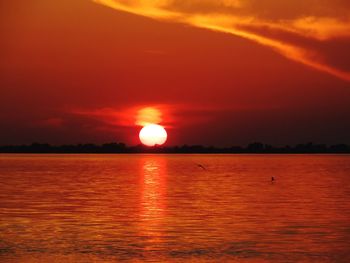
x=165, y=208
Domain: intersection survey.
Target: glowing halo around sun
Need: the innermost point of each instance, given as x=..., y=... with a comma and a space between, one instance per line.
x=153, y=134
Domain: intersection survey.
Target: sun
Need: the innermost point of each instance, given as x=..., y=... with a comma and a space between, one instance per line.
x=153, y=134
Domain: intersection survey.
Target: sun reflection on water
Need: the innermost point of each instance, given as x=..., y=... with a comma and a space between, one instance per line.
x=152, y=201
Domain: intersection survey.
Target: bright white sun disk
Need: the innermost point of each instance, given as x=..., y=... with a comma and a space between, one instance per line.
x=152, y=135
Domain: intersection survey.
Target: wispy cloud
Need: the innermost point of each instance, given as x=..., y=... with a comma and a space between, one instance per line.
x=168, y=115
x=307, y=31
x=127, y=117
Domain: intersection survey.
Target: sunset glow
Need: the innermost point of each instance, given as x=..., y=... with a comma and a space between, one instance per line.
x=99, y=71
x=148, y=115
x=175, y=131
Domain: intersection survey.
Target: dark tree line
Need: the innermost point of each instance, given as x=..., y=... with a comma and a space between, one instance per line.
x=123, y=148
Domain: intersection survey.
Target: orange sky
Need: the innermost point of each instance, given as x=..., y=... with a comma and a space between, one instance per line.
x=221, y=72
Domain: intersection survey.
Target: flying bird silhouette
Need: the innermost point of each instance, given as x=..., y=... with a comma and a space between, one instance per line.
x=201, y=166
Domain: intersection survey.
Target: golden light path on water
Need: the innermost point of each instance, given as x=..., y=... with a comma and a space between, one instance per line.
x=153, y=201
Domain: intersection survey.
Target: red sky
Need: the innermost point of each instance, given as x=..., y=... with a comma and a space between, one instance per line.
x=220, y=72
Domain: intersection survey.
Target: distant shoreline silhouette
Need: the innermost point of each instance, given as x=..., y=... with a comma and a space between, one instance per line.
x=253, y=148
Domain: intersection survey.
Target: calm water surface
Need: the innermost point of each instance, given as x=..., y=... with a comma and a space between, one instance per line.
x=165, y=208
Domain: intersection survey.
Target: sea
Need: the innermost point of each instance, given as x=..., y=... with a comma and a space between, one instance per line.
x=174, y=208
